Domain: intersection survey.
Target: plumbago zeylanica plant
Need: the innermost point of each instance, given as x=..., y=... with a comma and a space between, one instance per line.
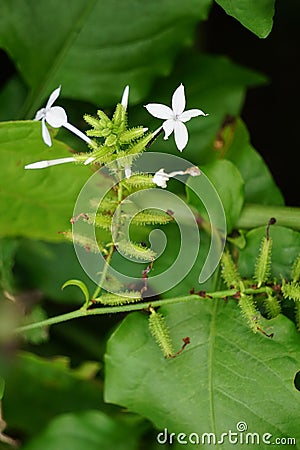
x=114, y=216
x=183, y=273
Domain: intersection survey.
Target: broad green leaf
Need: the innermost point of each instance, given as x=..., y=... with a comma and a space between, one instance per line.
x=96, y=47
x=229, y=185
x=92, y=430
x=285, y=249
x=212, y=83
x=38, y=389
x=256, y=15
x=35, y=203
x=226, y=375
x=259, y=184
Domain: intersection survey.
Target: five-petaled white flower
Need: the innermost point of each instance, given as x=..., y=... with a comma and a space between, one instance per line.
x=56, y=117
x=175, y=117
x=161, y=177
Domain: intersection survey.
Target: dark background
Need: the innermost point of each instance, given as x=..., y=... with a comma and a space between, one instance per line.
x=270, y=112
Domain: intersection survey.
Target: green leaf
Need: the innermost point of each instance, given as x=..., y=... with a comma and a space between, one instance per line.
x=286, y=247
x=260, y=186
x=226, y=375
x=37, y=389
x=35, y=203
x=256, y=15
x=108, y=57
x=91, y=430
x=82, y=286
x=229, y=185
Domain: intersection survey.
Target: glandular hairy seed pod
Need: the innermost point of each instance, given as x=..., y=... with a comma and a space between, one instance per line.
x=272, y=306
x=160, y=332
x=250, y=312
x=121, y=298
x=229, y=271
x=296, y=269
x=263, y=262
x=291, y=290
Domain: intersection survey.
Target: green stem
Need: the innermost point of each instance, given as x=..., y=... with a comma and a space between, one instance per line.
x=134, y=307
x=104, y=272
x=112, y=249
x=259, y=215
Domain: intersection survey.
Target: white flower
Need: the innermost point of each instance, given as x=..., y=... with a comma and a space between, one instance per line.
x=52, y=162
x=175, y=117
x=161, y=177
x=124, y=101
x=56, y=117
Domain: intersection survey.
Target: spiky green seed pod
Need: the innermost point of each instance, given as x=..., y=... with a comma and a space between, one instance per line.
x=139, y=181
x=263, y=262
x=151, y=218
x=111, y=140
x=140, y=145
x=121, y=298
x=160, y=332
x=100, y=220
x=291, y=290
x=85, y=242
x=95, y=123
x=230, y=272
x=134, y=250
x=108, y=204
x=296, y=269
x=119, y=118
x=249, y=311
x=103, y=117
x=272, y=306
x=131, y=135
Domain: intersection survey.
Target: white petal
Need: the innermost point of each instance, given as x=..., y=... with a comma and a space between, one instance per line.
x=89, y=160
x=53, y=97
x=41, y=113
x=46, y=134
x=56, y=116
x=124, y=101
x=127, y=171
x=160, y=111
x=160, y=178
x=77, y=132
x=187, y=115
x=53, y=162
x=181, y=135
x=178, y=100
x=168, y=127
